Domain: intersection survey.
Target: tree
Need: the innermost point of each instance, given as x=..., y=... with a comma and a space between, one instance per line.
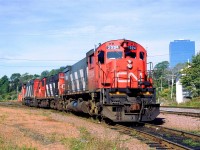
x=26, y=77
x=191, y=76
x=14, y=81
x=44, y=74
x=178, y=68
x=160, y=71
x=4, y=85
x=36, y=76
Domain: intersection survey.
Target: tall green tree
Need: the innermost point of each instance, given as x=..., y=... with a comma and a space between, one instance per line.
x=14, y=81
x=191, y=76
x=4, y=85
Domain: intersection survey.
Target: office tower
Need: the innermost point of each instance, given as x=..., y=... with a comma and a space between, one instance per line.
x=180, y=51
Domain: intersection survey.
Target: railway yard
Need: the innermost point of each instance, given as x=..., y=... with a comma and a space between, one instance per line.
x=25, y=128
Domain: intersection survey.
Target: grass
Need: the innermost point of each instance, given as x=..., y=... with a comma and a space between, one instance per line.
x=44, y=113
x=191, y=103
x=196, y=132
x=86, y=141
x=7, y=145
x=3, y=117
x=191, y=143
x=195, y=102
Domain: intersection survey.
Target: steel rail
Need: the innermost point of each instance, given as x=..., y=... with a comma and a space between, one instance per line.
x=197, y=108
x=174, y=131
x=159, y=142
x=190, y=114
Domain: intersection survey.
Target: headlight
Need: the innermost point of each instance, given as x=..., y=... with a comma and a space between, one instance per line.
x=129, y=61
x=129, y=66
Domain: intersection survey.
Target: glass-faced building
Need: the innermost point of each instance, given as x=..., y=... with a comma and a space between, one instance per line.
x=180, y=51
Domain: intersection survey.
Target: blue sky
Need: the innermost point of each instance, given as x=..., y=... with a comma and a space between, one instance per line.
x=38, y=35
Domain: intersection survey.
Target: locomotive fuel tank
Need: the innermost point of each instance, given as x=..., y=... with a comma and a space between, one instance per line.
x=78, y=106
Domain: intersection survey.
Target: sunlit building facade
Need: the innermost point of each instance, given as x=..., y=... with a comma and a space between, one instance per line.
x=180, y=51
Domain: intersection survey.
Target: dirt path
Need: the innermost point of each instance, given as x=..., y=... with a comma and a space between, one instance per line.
x=22, y=127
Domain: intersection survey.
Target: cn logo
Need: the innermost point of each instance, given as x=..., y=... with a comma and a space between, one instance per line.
x=125, y=76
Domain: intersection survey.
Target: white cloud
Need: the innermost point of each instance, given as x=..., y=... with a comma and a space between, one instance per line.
x=67, y=29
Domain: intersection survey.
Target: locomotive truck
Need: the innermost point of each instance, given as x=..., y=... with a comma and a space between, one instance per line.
x=111, y=82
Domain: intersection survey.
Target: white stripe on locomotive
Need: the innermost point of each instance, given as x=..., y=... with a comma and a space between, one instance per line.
x=73, y=87
x=47, y=90
x=82, y=78
x=77, y=81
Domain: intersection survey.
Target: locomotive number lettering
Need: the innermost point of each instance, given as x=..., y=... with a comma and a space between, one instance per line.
x=132, y=47
x=113, y=47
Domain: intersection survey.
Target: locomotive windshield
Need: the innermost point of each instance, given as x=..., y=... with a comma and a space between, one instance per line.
x=130, y=54
x=114, y=55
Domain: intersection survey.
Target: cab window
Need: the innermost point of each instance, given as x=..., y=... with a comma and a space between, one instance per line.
x=114, y=55
x=130, y=54
x=142, y=55
x=101, y=57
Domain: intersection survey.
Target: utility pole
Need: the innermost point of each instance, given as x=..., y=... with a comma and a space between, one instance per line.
x=17, y=90
x=161, y=83
x=172, y=84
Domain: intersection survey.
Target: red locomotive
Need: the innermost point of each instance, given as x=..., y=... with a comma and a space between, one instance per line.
x=111, y=81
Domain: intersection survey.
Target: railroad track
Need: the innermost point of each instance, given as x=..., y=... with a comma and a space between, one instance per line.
x=197, y=108
x=190, y=114
x=160, y=137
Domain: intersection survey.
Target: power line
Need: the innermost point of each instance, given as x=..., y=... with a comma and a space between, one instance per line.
x=158, y=55
x=28, y=66
x=2, y=58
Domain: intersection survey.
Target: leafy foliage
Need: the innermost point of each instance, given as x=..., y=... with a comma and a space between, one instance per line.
x=4, y=85
x=160, y=70
x=191, y=76
x=164, y=80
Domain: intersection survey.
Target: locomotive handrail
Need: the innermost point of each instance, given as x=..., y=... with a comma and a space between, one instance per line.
x=103, y=73
x=151, y=69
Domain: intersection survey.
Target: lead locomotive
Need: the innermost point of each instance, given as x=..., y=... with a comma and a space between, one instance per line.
x=110, y=82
